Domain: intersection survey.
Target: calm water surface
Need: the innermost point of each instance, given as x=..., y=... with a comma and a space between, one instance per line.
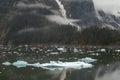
x=59, y=63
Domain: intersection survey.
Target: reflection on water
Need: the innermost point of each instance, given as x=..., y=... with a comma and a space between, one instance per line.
x=59, y=63
x=109, y=72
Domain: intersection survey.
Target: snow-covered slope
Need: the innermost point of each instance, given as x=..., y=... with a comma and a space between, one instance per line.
x=83, y=12
x=25, y=17
x=108, y=12
x=78, y=13
x=100, y=13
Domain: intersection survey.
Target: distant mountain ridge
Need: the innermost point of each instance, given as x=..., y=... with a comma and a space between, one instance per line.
x=34, y=21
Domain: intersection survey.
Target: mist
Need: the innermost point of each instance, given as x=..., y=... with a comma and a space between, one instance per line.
x=60, y=20
x=108, y=6
x=32, y=5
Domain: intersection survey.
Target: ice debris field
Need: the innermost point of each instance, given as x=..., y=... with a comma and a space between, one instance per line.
x=54, y=65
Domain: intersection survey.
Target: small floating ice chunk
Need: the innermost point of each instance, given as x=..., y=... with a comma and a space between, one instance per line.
x=49, y=50
x=75, y=50
x=88, y=60
x=35, y=65
x=6, y=63
x=20, y=64
x=103, y=50
x=54, y=53
x=95, y=54
x=117, y=50
x=60, y=49
x=52, y=66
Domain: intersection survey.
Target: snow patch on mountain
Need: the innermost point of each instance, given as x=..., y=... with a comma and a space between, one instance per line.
x=63, y=12
x=108, y=12
x=62, y=9
x=108, y=6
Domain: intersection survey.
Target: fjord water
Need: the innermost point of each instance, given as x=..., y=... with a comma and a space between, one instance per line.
x=59, y=63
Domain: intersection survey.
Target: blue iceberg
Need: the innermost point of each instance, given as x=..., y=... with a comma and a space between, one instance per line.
x=52, y=65
x=88, y=60
x=20, y=64
x=6, y=63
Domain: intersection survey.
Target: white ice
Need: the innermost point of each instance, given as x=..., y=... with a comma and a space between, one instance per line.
x=54, y=53
x=6, y=63
x=60, y=49
x=117, y=50
x=20, y=64
x=88, y=60
x=75, y=50
x=53, y=65
x=103, y=50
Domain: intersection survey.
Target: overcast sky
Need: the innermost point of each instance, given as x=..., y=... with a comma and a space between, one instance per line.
x=110, y=6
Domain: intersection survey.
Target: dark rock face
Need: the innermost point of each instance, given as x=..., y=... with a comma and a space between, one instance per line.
x=84, y=11
x=20, y=24
x=24, y=21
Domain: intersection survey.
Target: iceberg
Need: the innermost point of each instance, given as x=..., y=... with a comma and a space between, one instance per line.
x=60, y=49
x=88, y=60
x=53, y=65
x=6, y=63
x=117, y=50
x=20, y=64
x=54, y=53
x=103, y=50
x=58, y=65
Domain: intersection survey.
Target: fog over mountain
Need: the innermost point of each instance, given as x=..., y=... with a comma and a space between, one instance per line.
x=108, y=6
x=25, y=18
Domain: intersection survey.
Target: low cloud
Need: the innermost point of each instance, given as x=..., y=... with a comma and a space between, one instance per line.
x=60, y=20
x=108, y=6
x=32, y=5
x=28, y=30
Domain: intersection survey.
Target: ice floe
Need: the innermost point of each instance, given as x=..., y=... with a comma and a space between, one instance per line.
x=95, y=54
x=54, y=53
x=6, y=63
x=75, y=50
x=88, y=60
x=52, y=65
x=62, y=49
x=20, y=64
x=117, y=50
x=103, y=50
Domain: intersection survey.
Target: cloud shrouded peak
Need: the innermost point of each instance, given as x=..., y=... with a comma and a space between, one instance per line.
x=108, y=6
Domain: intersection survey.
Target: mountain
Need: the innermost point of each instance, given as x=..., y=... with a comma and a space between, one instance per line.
x=41, y=21
x=94, y=13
